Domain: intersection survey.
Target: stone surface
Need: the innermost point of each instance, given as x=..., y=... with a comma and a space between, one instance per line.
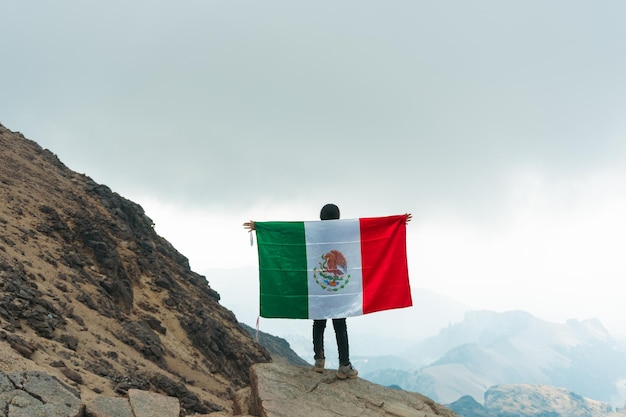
x=104, y=406
x=242, y=401
x=288, y=391
x=150, y=404
x=30, y=394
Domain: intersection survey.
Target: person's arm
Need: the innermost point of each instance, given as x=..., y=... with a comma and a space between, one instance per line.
x=250, y=227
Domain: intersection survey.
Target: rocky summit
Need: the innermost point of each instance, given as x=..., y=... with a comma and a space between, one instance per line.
x=279, y=390
x=101, y=317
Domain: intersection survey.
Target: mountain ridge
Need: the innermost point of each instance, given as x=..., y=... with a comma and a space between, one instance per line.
x=86, y=281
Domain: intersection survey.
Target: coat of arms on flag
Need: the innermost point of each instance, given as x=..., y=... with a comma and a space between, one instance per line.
x=331, y=273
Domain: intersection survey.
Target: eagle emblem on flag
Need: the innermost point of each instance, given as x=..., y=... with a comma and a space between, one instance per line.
x=331, y=273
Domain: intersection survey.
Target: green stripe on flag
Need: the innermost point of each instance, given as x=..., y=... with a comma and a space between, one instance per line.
x=282, y=269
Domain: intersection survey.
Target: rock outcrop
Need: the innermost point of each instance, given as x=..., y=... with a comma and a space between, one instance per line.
x=279, y=390
x=37, y=394
x=34, y=393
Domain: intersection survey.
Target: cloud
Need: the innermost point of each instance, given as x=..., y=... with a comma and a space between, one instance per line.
x=210, y=103
x=555, y=253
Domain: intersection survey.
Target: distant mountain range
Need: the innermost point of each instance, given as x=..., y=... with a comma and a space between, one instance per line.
x=489, y=349
x=525, y=400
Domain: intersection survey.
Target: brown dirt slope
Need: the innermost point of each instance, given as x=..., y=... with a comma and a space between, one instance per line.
x=92, y=295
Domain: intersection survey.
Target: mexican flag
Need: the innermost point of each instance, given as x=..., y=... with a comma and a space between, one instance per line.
x=332, y=268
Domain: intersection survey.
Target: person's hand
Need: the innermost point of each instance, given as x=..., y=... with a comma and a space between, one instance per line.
x=409, y=216
x=249, y=225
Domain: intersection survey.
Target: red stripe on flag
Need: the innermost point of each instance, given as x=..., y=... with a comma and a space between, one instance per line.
x=383, y=257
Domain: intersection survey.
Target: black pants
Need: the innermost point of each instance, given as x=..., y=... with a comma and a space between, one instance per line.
x=341, y=334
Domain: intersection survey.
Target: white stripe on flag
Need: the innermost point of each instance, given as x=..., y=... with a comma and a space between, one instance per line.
x=346, y=298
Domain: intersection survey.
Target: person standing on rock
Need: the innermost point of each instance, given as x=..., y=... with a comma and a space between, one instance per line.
x=346, y=370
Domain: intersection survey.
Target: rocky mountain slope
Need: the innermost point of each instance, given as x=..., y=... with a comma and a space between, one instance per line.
x=90, y=294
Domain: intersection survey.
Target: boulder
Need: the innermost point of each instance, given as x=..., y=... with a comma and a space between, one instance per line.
x=104, y=406
x=27, y=394
x=242, y=402
x=150, y=404
x=280, y=390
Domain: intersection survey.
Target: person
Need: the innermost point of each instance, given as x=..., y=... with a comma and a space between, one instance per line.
x=346, y=370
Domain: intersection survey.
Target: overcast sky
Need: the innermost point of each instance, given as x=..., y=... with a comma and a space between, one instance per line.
x=500, y=125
